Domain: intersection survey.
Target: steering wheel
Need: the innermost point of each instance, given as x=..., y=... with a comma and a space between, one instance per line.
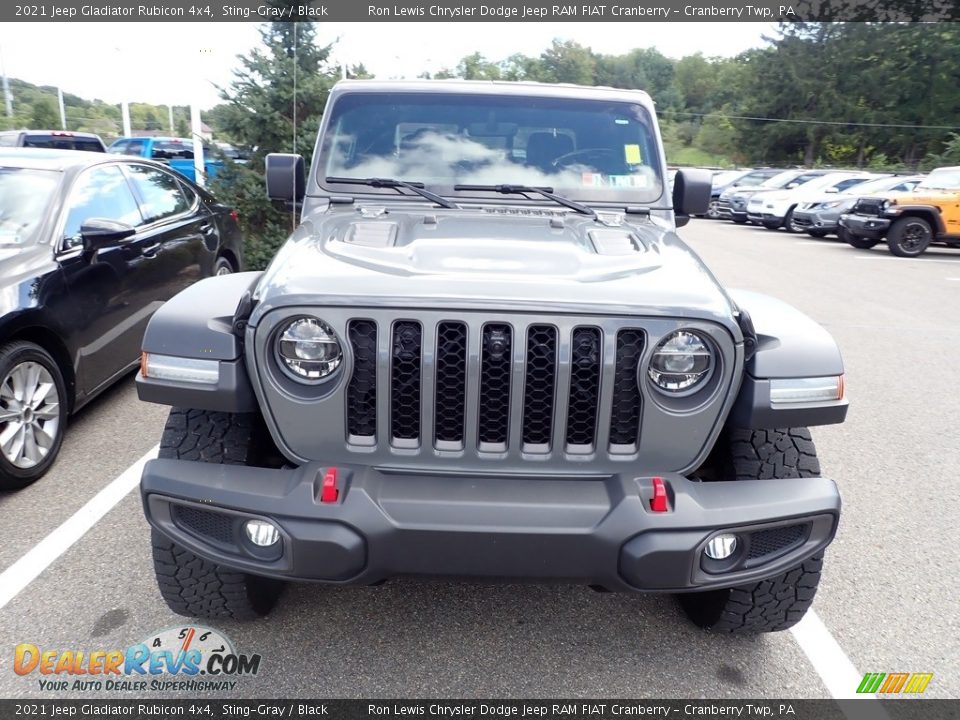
x=585, y=154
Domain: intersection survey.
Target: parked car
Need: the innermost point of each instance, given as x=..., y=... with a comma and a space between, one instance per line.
x=775, y=209
x=909, y=221
x=175, y=152
x=52, y=139
x=462, y=372
x=733, y=201
x=90, y=246
x=736, y=179
x=820, y=216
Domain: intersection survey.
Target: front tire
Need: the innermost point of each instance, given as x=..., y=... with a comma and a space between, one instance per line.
x=909, y=237
x=788, y=223
x=817, y=233
x=189, y=584
x=33, y=413
x=779, y=602
x=713, y=210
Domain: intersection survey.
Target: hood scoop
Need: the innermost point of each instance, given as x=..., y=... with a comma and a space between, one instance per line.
x=615, y=242
x=372, y=234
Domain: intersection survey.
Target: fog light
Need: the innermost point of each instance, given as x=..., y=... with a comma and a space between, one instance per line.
x=721, y=547
x=261, y=532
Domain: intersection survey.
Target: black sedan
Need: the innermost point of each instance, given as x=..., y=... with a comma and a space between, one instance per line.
x=90, y=246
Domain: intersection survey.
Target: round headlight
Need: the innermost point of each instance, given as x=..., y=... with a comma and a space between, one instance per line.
x=309, y=350
x=680, y=362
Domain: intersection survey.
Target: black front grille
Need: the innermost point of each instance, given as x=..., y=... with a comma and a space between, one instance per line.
x=775, y=540
x=362, y=390
x=869, y=206
x=539, y=385
x=585, y=359
x=451, y=393
x=495, y=363
x=470, y=383
x=206, y=524
x=627, y=400
x=406, y=381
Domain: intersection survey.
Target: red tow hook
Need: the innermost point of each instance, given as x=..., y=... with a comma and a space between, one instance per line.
x=329, y=491
x=658, y=503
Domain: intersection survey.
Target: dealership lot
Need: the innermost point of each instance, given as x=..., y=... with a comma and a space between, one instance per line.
x=888, y=595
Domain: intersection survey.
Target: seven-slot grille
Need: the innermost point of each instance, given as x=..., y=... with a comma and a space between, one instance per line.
x=533, y=386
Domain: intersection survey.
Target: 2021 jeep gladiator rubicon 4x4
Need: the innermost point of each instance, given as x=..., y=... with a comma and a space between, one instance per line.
x=909, y=221
x=485, y=352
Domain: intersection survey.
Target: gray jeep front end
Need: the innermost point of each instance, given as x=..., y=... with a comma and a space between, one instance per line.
x=492, y=414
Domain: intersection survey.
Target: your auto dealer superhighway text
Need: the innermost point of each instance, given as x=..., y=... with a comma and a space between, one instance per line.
x=520, y=12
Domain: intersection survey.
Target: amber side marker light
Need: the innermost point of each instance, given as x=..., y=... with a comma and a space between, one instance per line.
x=784, y=391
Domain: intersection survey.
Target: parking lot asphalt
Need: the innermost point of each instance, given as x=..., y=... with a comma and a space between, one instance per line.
x=888, y=595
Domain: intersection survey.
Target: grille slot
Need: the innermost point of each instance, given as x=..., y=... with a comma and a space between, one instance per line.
x=211, y=525
x=496, y=361
x=540, y=382
x=405, y=383
x=451, y=392
x=585, y=363
x=362, y=390
x=627, y=400
x=775, y=540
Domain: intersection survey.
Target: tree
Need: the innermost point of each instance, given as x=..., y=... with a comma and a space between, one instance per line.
x=45, y=114
x=274, y=104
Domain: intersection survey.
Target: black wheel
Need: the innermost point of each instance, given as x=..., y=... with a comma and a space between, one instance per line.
x=713, y=210
x=909, y=236
x=739, y=220
x=33, y=413
x=771, y=224
x=788, y=223
x=223, y=267
x=817, y=233
x=189, y=584
x=780, y=602
x=861, y=243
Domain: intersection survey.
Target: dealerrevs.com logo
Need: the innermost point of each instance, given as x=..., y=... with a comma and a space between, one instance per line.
x=184, y=658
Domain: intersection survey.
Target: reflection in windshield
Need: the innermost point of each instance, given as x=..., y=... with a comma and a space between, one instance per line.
x=586, y=150
x=24, y=197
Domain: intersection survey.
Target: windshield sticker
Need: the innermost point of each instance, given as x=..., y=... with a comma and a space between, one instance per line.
x=632, y=154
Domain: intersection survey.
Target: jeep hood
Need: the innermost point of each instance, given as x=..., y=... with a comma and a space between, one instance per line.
x=922, y=197
x=504, y=258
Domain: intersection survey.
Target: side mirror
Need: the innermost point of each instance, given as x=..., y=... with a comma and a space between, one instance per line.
x=286, y=179
x=100, y=233
x=691, y=194
x=791, y=186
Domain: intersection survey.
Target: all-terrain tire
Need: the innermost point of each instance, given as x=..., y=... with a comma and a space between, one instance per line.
x=909, y=237
x=779, y=602
x=189, y=584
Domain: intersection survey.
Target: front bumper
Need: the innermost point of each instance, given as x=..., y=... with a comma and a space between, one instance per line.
x=866, y=226
x=592, y=530
x=814, y=221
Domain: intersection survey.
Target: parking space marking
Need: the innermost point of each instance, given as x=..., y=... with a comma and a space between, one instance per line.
x=900, y=259
x=25, y=570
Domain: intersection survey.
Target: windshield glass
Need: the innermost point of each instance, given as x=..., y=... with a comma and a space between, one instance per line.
x=941, y=179
x=24, y=197
x=876, y=185
x=780, y=180
x=583, y=149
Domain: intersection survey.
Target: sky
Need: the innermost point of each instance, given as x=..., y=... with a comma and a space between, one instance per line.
x=180, y=63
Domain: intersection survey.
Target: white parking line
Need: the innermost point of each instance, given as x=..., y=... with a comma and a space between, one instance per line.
x=25, y=570
x=827, y=657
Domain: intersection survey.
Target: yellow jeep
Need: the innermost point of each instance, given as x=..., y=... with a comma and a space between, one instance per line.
x=910, y=221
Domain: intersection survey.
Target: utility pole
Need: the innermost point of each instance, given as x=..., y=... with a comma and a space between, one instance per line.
x=63, y=112
x=170, y=111
x=125, y=113
x=7, y=96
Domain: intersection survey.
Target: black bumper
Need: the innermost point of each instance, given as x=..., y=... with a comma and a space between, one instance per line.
x=866, y=226
x=598, y=531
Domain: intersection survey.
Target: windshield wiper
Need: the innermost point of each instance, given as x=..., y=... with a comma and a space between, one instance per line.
x=547, y=192
x=416, y=187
